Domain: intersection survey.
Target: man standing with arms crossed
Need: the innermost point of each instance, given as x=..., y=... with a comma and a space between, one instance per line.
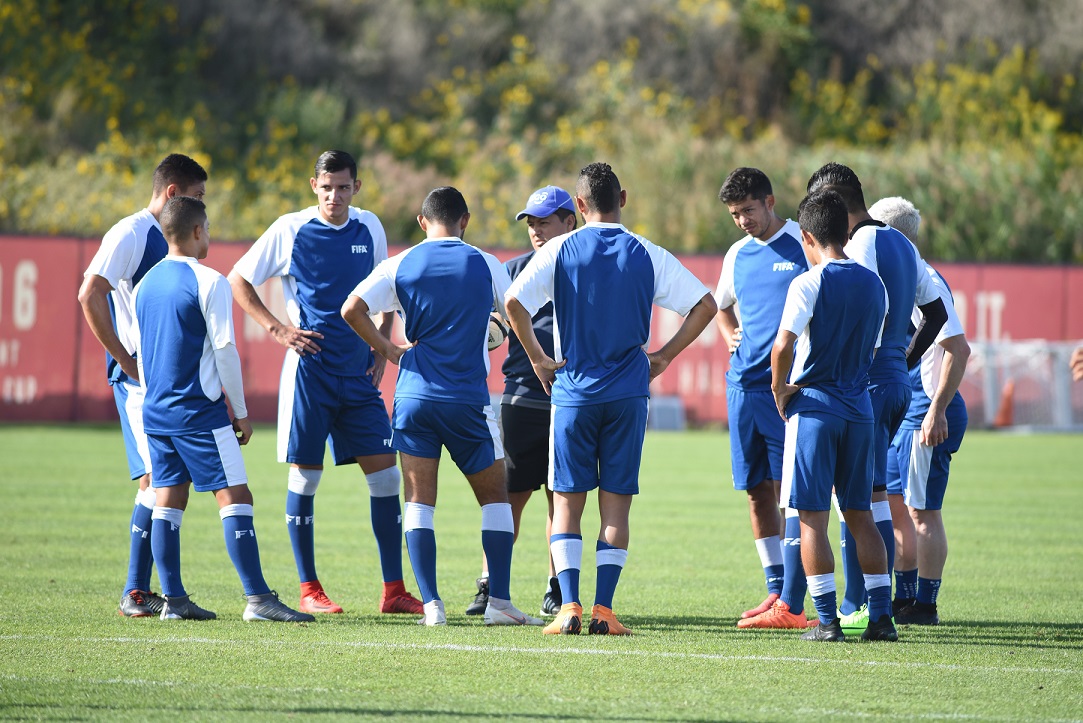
x=128, y=251
x=602, y=280
x=330, y=378
x=756, y=273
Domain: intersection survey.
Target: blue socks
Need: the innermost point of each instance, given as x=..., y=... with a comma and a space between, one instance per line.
x=610, y=561
x=928, y=589
x=854, y=596
x=140, y=558
x=879, y=587
x=165, y=542
x=770, y=552
x=240, y=534
x=567, y=551
x=299, y=514
x=906, y=584
x=421, y=546
x=385, y=513
x=497, y=538
x=794, y=585
x=822, y=588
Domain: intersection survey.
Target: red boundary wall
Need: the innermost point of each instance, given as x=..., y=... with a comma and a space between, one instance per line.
x=52, y=367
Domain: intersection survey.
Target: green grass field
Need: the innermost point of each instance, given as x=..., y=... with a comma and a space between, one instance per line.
x=1010, y=646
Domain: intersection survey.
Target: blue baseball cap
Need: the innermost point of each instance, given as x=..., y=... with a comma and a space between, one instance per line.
x=545, y=202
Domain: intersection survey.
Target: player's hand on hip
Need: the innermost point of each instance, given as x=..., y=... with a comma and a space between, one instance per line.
x=658, y=364
x=243, y=429
x=302, y=341
x=129, y=366
x=395, y=352
x=783, y=396
x=934, y=428
x=546, y=369
x=379, y=364
x=734, y=342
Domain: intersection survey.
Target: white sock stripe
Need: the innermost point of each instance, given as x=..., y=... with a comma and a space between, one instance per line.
x=567, y=554
x=384, y=483
x=821, y=584
x=881, y=511
x=416, y=516
x=611, y=556
x=838, y=510
x=304, y=481
x=235, y=511
x=497, y=517
x=169, y=514
x=770, y=550
x=146, y=498
x=874, y=581
x=791, y=512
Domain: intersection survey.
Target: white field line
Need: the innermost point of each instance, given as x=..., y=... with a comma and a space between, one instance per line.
x=457, y=647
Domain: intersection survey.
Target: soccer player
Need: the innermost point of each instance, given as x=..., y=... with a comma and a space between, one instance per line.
x=127, y=252
x=882, y=249
x=183, y=331
x=602, y=280
x=524, y=407
x=835, y=312
x=921, y=452
x=330, y=379
x=446, y=291
x=756, y=273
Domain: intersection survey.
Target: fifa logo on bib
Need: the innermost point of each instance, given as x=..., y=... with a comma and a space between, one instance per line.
x=359, y=249
x=783, y=266
x=238, y=534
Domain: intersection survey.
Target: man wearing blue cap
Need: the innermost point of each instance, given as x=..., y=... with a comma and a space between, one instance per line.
x=524, y=407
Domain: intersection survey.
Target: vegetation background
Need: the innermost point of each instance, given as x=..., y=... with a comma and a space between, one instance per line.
x=972, y=109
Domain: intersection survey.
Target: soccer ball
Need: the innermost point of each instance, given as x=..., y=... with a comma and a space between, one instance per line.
x=498, y=332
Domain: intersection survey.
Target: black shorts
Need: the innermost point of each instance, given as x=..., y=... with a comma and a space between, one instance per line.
x=526, y=446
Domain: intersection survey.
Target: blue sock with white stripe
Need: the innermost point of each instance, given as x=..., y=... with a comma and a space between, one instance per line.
x=879, y=587
x=300, y=513
x=928, y=589
x=610, y=561
x=497, y=538
x=140, y=557
x=385, y=511
x=854, y=595
x=822, y=588
x=165, y=541
x=240, y=534
x=417, y=520
x=794, y=585
x=567, y=551
x=881, y=515
x=906, y=584
x=770, y=551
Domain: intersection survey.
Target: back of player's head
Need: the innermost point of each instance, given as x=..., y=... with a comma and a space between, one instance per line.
x=180, y=215
x=335, y=161
x=743, y=183
x=822, y=213
x=599, y=188
x=444, y=205
x=842, y=180
x=177, y=170
x=898, y=213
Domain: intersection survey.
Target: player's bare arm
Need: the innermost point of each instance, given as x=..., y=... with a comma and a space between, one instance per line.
x=1076, y=363
x=302, y=341
x=781, y=363
x=730, y=327
x=379, y=362
x=94, y=298
x=694, y=324
x=243, y=429
x=934, y=428
x=544, y=365
x=356, y=313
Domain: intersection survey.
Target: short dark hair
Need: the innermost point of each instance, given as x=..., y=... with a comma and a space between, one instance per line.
x=823, y=214
x=745, y=182
x=444, y=205
x=841, y=179
x=563, y=213
x=335, y=161
x=177, y=170
x=599, y=188
x=180, y=215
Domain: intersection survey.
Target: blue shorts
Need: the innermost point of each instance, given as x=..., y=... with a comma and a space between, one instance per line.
x=129, y=400
x=598, y=446
x=890, y=403
x=315, y=407
x=757, y=437
x=920, y=471
x=469, y=432
x=210, y=460
x=825, y=451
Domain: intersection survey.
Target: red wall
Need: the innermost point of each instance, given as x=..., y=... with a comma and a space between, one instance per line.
x=52, y=368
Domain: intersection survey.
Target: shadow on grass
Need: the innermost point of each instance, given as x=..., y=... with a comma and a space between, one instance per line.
x=1029, y=634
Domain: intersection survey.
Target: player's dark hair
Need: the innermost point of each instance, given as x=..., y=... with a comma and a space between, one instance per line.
x=823, y=214
x=444, y=205
x=842, y=180
x=599, y=188
x=563, y=213
x=177, y=170
x=335, y=161
x=743, y=183
x=180, y=215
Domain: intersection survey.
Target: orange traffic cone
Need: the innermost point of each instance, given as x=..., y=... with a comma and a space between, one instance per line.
x=1006, y=410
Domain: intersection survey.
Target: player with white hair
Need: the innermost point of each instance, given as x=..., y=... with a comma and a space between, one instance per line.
x=922, y=449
